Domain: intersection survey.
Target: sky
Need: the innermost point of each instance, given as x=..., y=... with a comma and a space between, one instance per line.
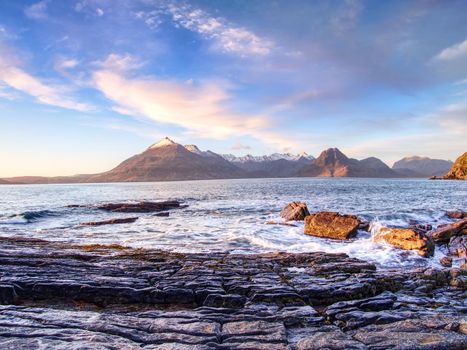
x=84, y=84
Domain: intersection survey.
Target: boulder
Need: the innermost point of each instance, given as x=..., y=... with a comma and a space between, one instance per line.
x=331, y=225
x=110, y=222
x=141, y=207
x=457, y=214
x=458, y=246
x=406, y=238
x=295, y=211
x=422, y=228
x=446, y=261
x=443, y=233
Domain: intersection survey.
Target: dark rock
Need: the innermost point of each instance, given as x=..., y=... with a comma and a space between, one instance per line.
x=295, y=211
x=280, y=223
x=407, y=239
x=446, y=261
x=443, y=233
x=96, y=297
x=364, y=225
x=7, y=294
x=331, y=225
x=421, y=228
x=458, y=246
x=225, y=301
x=163, y=214
x=110, y=222
x=457, y=214
x=141, y=207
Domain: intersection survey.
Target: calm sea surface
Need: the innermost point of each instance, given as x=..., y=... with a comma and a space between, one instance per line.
x=230, y=215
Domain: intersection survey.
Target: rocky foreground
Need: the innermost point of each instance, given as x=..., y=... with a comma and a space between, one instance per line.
x=54, y=295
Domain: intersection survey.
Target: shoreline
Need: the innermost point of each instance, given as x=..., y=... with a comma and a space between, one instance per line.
x=116, y=297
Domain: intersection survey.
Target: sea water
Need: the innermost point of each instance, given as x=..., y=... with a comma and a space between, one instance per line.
x=231, y=215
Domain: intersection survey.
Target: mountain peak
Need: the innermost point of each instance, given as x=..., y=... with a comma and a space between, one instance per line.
x=331, y=155
x=193, y=149
x=162, y=143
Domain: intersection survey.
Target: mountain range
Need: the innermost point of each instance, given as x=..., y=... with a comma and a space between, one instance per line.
x=422, y=166
x=170, y=161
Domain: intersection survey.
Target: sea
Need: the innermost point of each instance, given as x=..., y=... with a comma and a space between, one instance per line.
x=231, y=215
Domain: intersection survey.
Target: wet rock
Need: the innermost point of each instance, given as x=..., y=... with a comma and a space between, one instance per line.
x=295, y=211
x=7, y=294
x=457, y=214
x=421, y=228
x=103, y=297
x=407, y=239
x=443, y=233
x=328, y=337
x=458, y=246
x=364, y=225
x=280, y=223
x=110, y=222
x=331, y=225
x=424, y=333
x=140, y=207
x=225, y=301
x=446, y=261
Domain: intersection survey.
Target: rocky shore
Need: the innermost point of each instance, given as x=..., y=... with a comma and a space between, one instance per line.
x=54, y=295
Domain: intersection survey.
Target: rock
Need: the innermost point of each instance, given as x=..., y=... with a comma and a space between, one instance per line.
x=443, y=233
x=364, y=226
x=296, y=211
x=459, y=169
x=421, y=228
x=407, y=239
x=163, y=214
x=140, y=207
x=458, y=246
x=331, y=225
x=463, y=264
x=446, y=261
x=280, y=223
x=234, y=301
x=7, y=294
x=457, y=214
x=110, y=222
x=60, y=296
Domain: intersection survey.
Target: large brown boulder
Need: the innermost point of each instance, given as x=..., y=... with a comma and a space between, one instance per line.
x=331, y=225
x=406, y=238
x=443, y=233
x=295, y=211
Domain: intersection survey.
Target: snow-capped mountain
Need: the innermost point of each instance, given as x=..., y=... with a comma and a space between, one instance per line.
x=267, y=158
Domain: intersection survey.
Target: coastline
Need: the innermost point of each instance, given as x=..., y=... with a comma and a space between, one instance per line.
x=116, y=297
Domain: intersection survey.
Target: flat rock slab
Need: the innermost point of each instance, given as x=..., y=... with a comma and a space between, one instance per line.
x=60, y=296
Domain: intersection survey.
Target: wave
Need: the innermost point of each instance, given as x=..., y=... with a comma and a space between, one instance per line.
x=27, y=217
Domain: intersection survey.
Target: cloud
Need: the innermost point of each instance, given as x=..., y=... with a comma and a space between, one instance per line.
x=62, y=64
x=196, y=107
x=239, y=146
x=6, y=93
x=453, y=118
x=18, y=79
x=37, y=10
x=227, y=37
x=120, y=63
x=453, y=52
x=99, y=12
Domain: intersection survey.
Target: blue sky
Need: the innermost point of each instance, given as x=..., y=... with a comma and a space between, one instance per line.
x=85, y=84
